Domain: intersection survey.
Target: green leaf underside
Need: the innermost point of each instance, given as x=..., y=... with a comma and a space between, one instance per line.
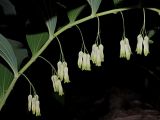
x=7, y=53
x=19, y=51
x=36, y=41
x=6, y=77
x=51, y=25
x=73, y=14
x=94, y=5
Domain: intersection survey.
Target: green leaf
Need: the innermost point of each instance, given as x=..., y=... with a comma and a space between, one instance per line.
x=73, y=14
x=94, y=5
x=6, y=77
x=19, y=51
x=51, y=25
x=36, y=41
x=7, y=53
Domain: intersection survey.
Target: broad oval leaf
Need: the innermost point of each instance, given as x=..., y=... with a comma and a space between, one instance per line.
x=36, y=41
x=51, y=25
x=94, y=4
x=6, y=77
x=73, y=14
x=7, y=53
x=20, y=52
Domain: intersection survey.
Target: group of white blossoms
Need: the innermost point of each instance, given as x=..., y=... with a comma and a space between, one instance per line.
x=34, y=104
x=142, y=46
x=97, y=57
x=61, y=75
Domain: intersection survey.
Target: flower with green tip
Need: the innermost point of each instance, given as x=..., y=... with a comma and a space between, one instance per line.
x=80, y=59
x=33, y=105
x=88, y=66
x=37, y=109
x=66, y=76
x=57, y=85
x=122, y=49
x=84, y=61
x=146, y=45
x=139, y=47
x=29, y=102
x=101, y=48
x=60, y=70
x=125, y=50
x=97, y=55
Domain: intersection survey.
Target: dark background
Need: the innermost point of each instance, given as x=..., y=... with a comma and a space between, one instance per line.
x=90, y=95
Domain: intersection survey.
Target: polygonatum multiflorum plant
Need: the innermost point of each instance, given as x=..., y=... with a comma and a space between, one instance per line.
x=13, y=54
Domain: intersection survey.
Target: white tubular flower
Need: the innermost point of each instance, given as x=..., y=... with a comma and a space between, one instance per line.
x=60, y=88
x=37, y=108
x=54, y=78
x=122, y=49
x=33, y=105
x=60, y=70
x=146, y=45
x=127, y=49
x=93, y=53
x=29, y=102
x=80, y=58
x=88, y=67
x=84, y=61
x=66, y=76
x=98, y=58
x=139, y=44
x=101, y=48
x=57, y=85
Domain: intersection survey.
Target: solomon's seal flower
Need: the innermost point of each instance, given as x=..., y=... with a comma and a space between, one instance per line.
x=139, y=44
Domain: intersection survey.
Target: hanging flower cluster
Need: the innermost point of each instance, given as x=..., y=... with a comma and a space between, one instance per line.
x=143, y=40
x=125, y=50
x=57, y=85
x=142, y=45
x=34, y=104
x=84, y=61
x=97, y=55
x=83, y=56
x=61, y=74
x=63, y=71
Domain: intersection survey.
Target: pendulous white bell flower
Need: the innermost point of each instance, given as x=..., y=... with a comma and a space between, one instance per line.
x=146, y=45
x=122, y=49
x=84, y=61
x=125, y=50
x=29, y=102
x=139, y=47
x=33, y=105
x=66, y=76
x=37, y=105
x=54, y=78
x=88, y=67
x=97, y=55
x=101, y=48
x=93, y=53
x=57, y=85
x=60, y=70
x=80, y=59
x=98, y=58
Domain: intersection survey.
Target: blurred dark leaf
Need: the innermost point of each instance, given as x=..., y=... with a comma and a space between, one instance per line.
x=8, y=7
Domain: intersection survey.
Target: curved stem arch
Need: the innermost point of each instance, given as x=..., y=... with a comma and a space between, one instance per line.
x=33, y=58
